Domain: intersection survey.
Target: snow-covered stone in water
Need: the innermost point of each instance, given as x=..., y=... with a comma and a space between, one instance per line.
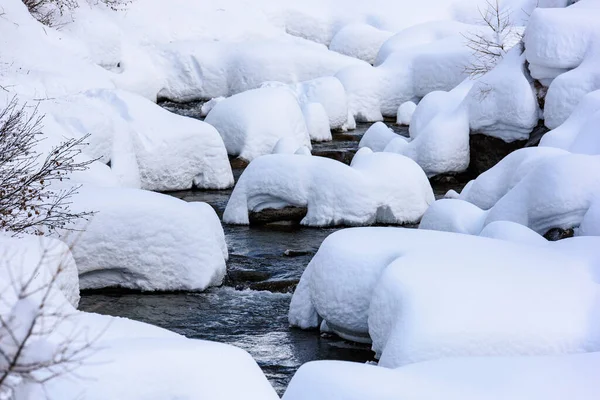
x=495, y=298
x=145, y=143
x=251, y=123
x=492, y=185
x=363, y=193
x=38, y=258
x=502, y=103
x=405, y=113
x=513, y=232
x=468, y=378
x=328, y=91
x=209, y=105
x=453, y=215
x=147, y=241
x=317, y=122
x=590, y=224
x=555, y=194
x=350, y=124
x=377, y=137
x=287, y=146
x=579, y=133
x=362, y=84
x=563, y=50
x=360, y=41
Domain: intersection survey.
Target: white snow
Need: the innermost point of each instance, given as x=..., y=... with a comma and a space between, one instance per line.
x=474, y=378
x=405, y=113
x=360, y=41
x=366, y=192
x=251, y=123
x=147, y=241
x=562, y=46
x=493, y=298
x=317, y=122
x=377, y=137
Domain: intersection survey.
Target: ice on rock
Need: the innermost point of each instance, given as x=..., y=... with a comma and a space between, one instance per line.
x=405, y=113
x=335, y=194
x=562, y=47
x=467, y=378
x=359, y=41
x=147, y=241
x=251, y=123
x=317, y=122
x=415, y=305
x=147, y=145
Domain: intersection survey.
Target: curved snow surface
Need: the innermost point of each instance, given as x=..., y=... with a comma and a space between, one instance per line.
x=147, y=241
x=251, y=123
x=472, y=296
x=376, y=188
x=476, y=378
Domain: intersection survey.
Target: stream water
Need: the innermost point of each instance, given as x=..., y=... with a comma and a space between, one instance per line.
x=250, y=309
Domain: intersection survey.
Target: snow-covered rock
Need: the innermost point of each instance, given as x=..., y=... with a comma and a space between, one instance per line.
x=364, y=282
x=317, y=122
x=469, y=378
x=147, y=146
x=453, y=215
x=377, y=137
x=366, y=192
x=562, y=46
x=147, y=241
x=328, y=91
x=251, y=123
x=359, y=41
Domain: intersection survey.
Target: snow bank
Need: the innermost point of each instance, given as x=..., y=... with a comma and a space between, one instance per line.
x=562, y=47
x=363, y=283
x=493, y=378
x=359, y=41
x=405, y=113
x=147, y=146
x=251, y=123
x=366, y=192
x=590, y=224
x=147, y=241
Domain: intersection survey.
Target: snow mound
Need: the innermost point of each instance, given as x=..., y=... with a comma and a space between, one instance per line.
x=147, y=241
x=362, y=84
x=147, y=146
x=364, y=282
x=328, y=91
x=511, y=231
x=251, y=123
x=359, y=41
x=578, y=134
x=453, y=215
x=405, y=113
x=377, y=137
x=469, y=378
x=563, y=49
x=334, y=193
x=590, y=224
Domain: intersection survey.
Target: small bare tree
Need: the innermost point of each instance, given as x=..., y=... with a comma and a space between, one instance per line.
x=28, y=203
x=29, y=314
x=48, y=11
x=490, y=46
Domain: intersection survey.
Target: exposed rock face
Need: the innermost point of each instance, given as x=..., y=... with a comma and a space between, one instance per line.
x=487, y=151
x=556, y=234
x=271, y=215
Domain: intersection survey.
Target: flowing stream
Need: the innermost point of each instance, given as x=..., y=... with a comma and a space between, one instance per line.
x=250, y=309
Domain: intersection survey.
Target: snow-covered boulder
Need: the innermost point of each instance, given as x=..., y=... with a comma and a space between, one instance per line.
x=562, y=46
x=579, y=133
x=364, y=193
x=147, y=146
x=377, y=137
x=328, y=91
x=453, y=215
x=469, y=378
x=251, y=123
x=360, y=41
x=388, y=285
x=590, y=224
x=362, y=84
x=147, y=241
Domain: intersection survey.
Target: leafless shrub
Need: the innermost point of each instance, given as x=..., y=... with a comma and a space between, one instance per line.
x=48, y=11
x=491, y=46
x=28, y=204
x=28, y=315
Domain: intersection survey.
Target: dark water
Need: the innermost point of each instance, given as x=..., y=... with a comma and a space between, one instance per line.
x=250, y=310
